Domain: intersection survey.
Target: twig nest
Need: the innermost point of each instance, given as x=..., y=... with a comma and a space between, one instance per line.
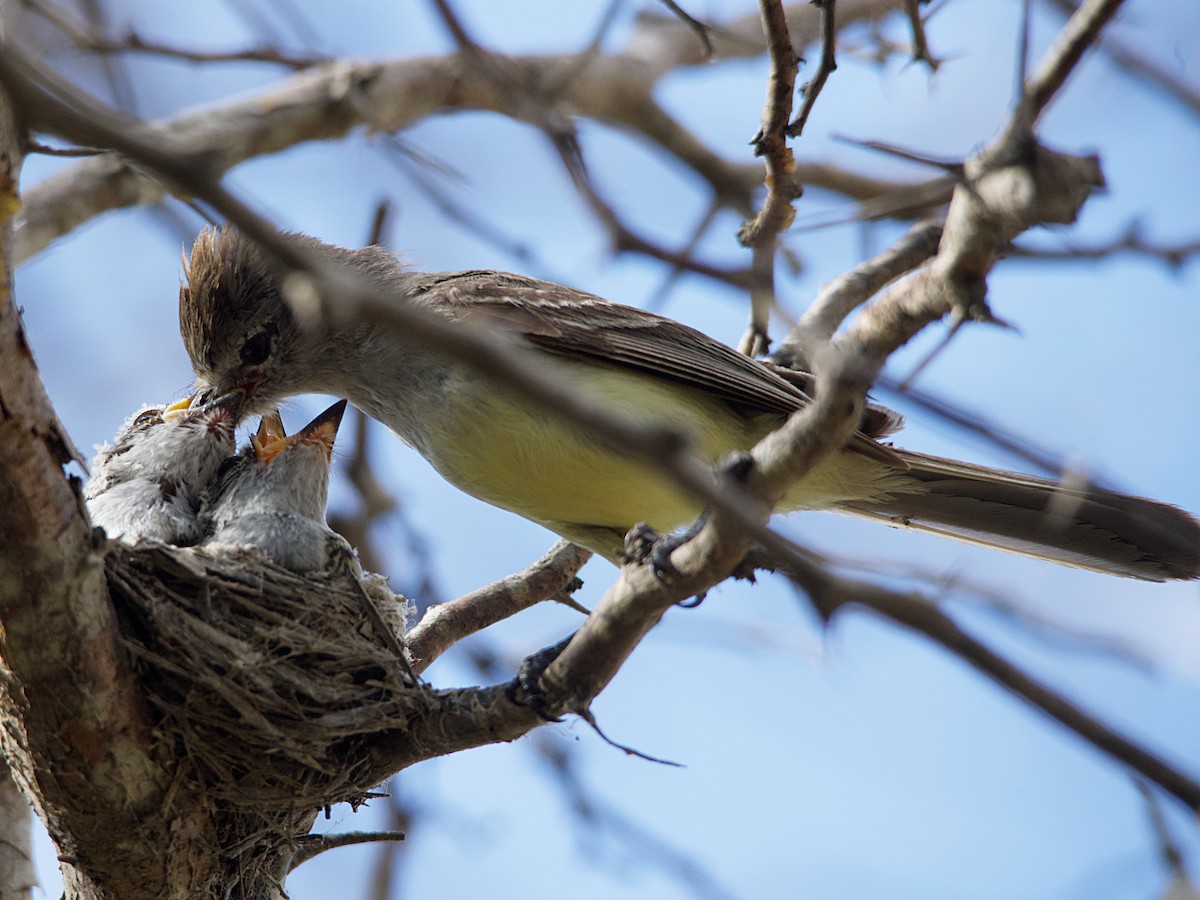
x=266, y=684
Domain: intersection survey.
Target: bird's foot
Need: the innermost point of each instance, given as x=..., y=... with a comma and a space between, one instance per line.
x=526, y=688
x=645, y=546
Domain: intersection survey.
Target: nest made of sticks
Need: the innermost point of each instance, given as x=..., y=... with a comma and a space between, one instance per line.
x=267, y=685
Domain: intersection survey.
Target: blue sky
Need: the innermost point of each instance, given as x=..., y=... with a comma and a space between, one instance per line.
x=852, y=762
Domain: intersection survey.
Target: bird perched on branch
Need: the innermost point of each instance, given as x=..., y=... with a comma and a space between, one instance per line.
x=147, y=483
x=271, y=499
x=492, y=442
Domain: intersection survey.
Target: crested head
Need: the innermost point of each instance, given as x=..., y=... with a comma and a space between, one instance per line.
x=240, y=331
x=236, y=327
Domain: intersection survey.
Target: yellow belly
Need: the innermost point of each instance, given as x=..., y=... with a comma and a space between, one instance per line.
x=502, y=450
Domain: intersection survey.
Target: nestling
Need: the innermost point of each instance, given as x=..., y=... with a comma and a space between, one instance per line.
x=147, y=483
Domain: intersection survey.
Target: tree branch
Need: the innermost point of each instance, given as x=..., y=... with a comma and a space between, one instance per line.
x=329, y=101
x=73, y=713
x=446, y=624
x=829, y=594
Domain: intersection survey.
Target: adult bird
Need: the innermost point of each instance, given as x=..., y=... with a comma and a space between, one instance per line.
x=147, y=483
x=495, y=444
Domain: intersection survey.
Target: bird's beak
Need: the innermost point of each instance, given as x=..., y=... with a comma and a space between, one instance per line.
x=323, y=429
x=230, y=404
x=179, y=408
x=249, y=388
x=271, y=439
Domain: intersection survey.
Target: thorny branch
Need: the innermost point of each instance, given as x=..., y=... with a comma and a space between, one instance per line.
x=770, y=142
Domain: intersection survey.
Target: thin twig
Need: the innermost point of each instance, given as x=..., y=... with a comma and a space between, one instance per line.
x=971, y=422
x=1174, y=255
x=47, y=150
x=827, y=64
x=1076, y=37
x=1026, y=26
x=757, y=340
x=591, y=811
x=770, y=142
x=830, y=593
x=1169, y=849
x=132, y=42
x=688, y=250
x=920, y=49
x=702, y=30
x=622, y=237
x=315, y=844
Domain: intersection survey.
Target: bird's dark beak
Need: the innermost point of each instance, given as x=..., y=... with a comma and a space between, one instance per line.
x=323, y=429
x=229, y=404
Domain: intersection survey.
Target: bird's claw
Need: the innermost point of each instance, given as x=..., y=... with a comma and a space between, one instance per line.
x=526, y=688
x=645, y=546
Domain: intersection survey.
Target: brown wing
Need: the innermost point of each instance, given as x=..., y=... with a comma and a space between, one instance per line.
x=616, y=335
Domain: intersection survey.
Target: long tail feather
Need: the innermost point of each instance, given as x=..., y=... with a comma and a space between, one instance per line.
x=1081, y=526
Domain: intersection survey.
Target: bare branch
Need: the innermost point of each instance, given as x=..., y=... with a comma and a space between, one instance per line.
x=329, y=101
x=849, y=291
x=1077, y=36
x=1175, y=255
x=315, y=844
x=770, y=142
x=829, y=594
x=812, y=89
x=1144, y=67
x=920, y=50
x=447, y=623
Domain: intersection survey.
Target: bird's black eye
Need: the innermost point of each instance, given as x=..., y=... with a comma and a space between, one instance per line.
x=256, y=349
x=148, y=417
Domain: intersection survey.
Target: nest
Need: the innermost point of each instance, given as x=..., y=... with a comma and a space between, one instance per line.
x=267, y=686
